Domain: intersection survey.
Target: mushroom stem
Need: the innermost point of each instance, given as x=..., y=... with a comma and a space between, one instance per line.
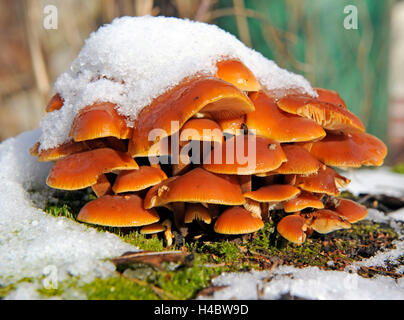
x=102, y=187
x=179, y=217
x=168, y=234
x=245, y=183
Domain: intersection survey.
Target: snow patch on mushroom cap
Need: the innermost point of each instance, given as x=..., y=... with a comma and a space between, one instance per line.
x=133, y=60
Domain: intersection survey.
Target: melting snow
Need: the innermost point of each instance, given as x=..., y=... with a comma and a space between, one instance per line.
x=135, y=59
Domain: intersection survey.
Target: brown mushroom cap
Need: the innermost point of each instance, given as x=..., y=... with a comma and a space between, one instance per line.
x=300, y=161
x=267, y=155
x=273, y=193
x=55, y=103
x=330, y=96
x=98, y=121
x=237, y=220
x=302, y=201
x=197, y=185
x=269, y=121
x=136, y=180
x=117, y=211
x=350, y=150
x=201, y=130
x=237, y=74
x=351, y=210
x=213, y=97
x=81, y=170
x=293, y=228
x=233, y=126
x=325, y=221
x=196, y=211
x=153, y=228
x=324, y=181
x=329, y=116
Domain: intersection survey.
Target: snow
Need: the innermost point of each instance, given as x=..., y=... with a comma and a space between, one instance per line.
x=135, y=59
x=32, y=242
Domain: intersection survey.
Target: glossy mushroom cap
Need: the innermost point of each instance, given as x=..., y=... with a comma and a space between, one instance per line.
x=325, y=221
x=293, y=228
x=201, y=130
x=273, y=193
x=350, y=150
x=329, y=116
x=244, y=155
x=153, y=228
x=197, y=185
x=237, y=74
x=136, y=180
x=81, y=170
x=237, y=220
x=169, y=112
x=117, y=211
x=232, y=126
x=300, y=161
x=196, y=211
x=55, y=103
x=302, y=201
x=98, y=121
x=350, y=210
x=330, y=96
x=269, y=121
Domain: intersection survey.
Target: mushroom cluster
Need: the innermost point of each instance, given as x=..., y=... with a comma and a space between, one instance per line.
x=218, y=152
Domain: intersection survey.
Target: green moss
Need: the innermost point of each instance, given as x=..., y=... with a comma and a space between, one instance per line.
x=399, y=168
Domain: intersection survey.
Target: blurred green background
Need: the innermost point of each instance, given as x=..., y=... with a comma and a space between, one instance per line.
x=305, y=36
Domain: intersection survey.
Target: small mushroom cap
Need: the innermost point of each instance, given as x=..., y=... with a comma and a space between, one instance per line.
x=302, y=201
x=245, y=155
x=55, y=103
x=81, y=170
x=325, y=221
x=153, y=228
x=237, y=220
x=196, y=211
x=351, y=210
x=237, y=74
x=117, y=211
x=61, y=151
x=329, y=116
x=324, y=181
x=136, y=180
x=300, y=161
x=201, y=130
x=213, y=97
x=273, y=193
x=232, y=126
x=269, y=121
x=98, y=121
x=293, y=228
x=330, y=96
x=197, y=185
x=350, y=150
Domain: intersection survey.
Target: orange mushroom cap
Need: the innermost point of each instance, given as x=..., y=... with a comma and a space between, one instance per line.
x=329, y=116
x=152, y=228
x=273, y=193
x=201, y=130
x=269, y=121
x=351, y=210
x=324, y=181
x=237, y=220
x=196, y=211
x=350, y=150
x=300, y=161
x=136, y=180
x=233, y=126
x=117, y=211
x=237, y=74
x=293, y=228
x=214, y=97
x=102, y=187
x=302, y=201
x=329, y=96
x=248, y=156
x=55, y=103
x=81, y=170
x=98, y=121
x=325, y=221
x=197, y=185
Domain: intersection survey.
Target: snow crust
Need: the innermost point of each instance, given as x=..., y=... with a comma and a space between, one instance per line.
x=32, y=242
x=135, y=59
